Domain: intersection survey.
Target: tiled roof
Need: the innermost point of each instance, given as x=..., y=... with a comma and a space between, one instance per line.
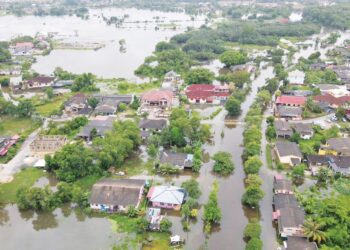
x=286, y=148
x=157, y=95
x=291, y=100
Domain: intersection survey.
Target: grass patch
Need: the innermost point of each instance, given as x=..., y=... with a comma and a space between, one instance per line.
x=26, y=178
x=135, y=166
x=124, y=87
x=86, y=182
x=342, y=186
x=49, y=107
x=10, y=126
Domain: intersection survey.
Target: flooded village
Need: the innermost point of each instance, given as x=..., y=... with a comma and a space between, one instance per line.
x=209, y=126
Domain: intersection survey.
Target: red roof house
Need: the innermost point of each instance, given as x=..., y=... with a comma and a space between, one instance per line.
x=295, y=101
x=207, y=93
x=332, y=101
x=160, y=98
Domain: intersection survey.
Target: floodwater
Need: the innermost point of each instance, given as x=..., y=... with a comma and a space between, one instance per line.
x=138, y=30
x=61, y=229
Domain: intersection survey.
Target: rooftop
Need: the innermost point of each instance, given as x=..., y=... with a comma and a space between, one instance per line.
x=167, y=194
x=286, y=148
x=291, y=100
x=152, y=124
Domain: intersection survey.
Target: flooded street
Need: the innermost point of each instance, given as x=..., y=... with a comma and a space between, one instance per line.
x=142, y=30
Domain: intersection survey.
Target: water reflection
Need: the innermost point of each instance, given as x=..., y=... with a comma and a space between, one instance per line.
x=44, y=221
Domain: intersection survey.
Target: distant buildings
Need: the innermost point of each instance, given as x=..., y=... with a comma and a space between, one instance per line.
x=22, y=49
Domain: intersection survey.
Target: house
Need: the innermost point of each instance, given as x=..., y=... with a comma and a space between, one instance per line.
x=296, y=77
x=298, y=243
x=336, y=146
x=126, y=99
x=149, y=126
x=114, y=195
x=316, y=162
x=109, y=104
x=281, y=185
x=101, y=124
x=207, y=93
x=154, y=217
x=305, y=130
x=169, y=197
x=62, y=83
x=289, y=113
x=284, y=201
x=288, y=153
x=283, y=129
x=21, y=49
x=39, y=82
x=334, y=90
x=292, y=101
x=158, y=98
x=343, y=73
x=340, y=165
x=318, y=66
x=6, y=143
x=331, y=101
x=243, y=67
x=77, y=105
x=172, y=76
x=290, y=221
x=298, y=92
x=178, y=160
x=47, y=144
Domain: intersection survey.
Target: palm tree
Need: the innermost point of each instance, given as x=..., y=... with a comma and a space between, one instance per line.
x=313, y=231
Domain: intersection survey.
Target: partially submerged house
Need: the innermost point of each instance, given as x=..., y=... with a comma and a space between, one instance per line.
x=149, y=126
x=316, y=162
x=177, y=160
x=169, y=197
x=22, y=49
x=338, y=164
x=288, y=153
x=39, y=82
x=292, y=101
x=281, y=185
x=77, y=105
x=289, y=113
x=305, y=130
x=336, y=146
x=47, y=144
x=207, y=93
x=113, y=195
x=283, y=129
x=298, y=243
x=100, y=124
x=290, y=221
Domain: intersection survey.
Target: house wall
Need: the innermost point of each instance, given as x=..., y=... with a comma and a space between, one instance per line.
x=166, y=205
x=290, y=231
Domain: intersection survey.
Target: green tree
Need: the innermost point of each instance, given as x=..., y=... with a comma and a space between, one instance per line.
x=233, y=57
x=165, y=225
x=93, y=102
x=313, y=231
x=84, y=82
x=252, y=230
x=252, y=196
x=254, y=244
x=192, y=187
x=271, y=132
x=340, y=113
x=199, y=76
x=223, y=163
x=233, y=106
x=298, y=172
x=25, y=108
x=252, y=165
x=49, y=92
x=212, y=212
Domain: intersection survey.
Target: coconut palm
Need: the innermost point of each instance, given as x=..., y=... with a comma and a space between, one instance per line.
x=313, y=231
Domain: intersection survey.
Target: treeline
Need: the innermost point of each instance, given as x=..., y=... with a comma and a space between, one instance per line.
x=336, y=16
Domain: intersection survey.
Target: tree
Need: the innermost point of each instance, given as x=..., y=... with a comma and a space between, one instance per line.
x=322, y=176
x=165, y=225
x=142, y=224
x=84, y=82
x=298, y=172
x=25, y=108
x=313, y=231
x=212, y=212
x=271, y=132
x=295, y=137
x=233, y=57
x=252, y=230
x=93, y=134
x=233, y=106
x=263, y=98
x=340, y=113
x=253, y=180
x=49, y=92
x=93, y=102
x=192, y=187
x=252, y=165
x=4, y=82
x=252, y=196
x=254, y=244
x=199, y=76
x=223, y=163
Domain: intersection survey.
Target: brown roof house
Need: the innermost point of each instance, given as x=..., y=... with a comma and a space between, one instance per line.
x=316, y=162
x=113, y=195
x=39, y=82
x=178, y=160
x=47, y=144
x=77, y=105
x=288, y=153
x=298, y=243
x=149, y=126
x=289, y=113
x=290, y=221
x=283, y=129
